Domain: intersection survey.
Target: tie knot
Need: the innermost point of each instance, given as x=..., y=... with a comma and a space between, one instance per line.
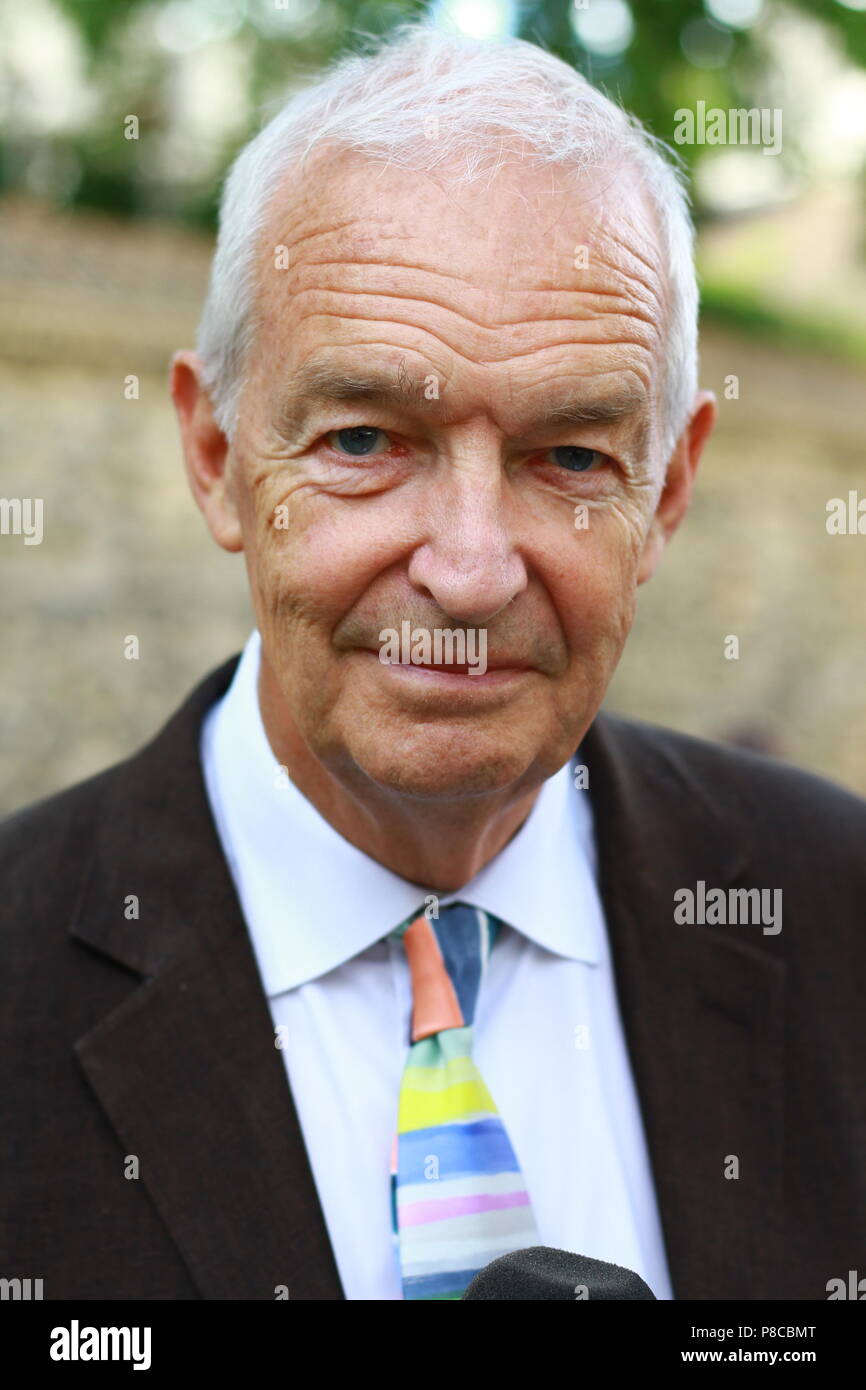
x=447, y=957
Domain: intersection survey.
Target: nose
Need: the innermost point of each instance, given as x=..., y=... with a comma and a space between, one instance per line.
x=469, y=563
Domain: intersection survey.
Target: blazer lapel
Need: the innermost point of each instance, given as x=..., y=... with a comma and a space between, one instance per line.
x=186, y=1068
x=702, y=1010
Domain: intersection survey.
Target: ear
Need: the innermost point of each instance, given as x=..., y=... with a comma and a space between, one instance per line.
x=206, y=450
x=676, y=493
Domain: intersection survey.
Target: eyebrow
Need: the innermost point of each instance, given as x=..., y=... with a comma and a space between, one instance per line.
x=321, y=382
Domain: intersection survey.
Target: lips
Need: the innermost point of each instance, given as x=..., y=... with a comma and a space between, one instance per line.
x=456, y=668
x=502, y=663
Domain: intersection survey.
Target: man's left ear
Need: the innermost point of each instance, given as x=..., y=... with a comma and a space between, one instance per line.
x=679, y=481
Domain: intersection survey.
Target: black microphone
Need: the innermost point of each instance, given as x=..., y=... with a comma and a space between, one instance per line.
x=542, y=1273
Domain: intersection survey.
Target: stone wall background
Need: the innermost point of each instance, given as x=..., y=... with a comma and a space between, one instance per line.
x=85, y=301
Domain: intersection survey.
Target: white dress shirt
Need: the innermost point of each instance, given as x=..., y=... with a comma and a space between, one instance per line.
x=548, y=1035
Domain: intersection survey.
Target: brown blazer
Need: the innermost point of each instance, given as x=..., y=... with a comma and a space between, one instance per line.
x=153, y=1038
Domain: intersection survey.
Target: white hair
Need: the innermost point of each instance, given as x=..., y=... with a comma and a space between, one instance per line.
x=425, y=98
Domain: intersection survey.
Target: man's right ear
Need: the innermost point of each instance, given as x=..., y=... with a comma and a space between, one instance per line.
x=205, y=450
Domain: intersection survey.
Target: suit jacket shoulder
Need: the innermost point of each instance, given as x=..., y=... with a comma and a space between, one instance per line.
x=752, y=788
x=46, y=847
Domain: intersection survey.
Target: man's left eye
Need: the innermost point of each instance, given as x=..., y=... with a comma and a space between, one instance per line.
x=574, y=458
x=357, y=440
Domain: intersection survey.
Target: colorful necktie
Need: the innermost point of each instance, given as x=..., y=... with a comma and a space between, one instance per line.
x=458, y=1196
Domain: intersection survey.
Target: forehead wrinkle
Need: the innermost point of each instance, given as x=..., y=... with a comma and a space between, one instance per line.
x=638, y=295
x=643, y=291
x=642, y=366
x=607, y=328
x=391, y=266
x=353, y=270
x=360, y=237
x=655, y=279
x=630, y=307
x=501, y=342
x=654, y=273
x=363, y=252
x=335, y=176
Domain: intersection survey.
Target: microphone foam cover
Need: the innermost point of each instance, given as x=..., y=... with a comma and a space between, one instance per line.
x=540, y=1273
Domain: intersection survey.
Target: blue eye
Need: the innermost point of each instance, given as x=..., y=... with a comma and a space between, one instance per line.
x=357, y=439
x=576, y=459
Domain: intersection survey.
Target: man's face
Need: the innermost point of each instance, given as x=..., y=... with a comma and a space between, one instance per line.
x=403, y=455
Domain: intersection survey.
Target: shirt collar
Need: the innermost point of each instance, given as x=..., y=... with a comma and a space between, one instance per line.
x=313, y=901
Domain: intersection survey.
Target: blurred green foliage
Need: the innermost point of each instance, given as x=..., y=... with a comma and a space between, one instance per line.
x=654, y=76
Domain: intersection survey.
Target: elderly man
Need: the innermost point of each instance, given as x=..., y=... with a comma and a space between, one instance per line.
x=391, y=955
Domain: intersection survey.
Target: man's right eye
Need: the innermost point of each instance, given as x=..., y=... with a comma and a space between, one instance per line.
x=357, y=440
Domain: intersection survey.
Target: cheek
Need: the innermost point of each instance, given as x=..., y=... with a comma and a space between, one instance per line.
x=594, y=582
x=605, y=546
x=315, y=563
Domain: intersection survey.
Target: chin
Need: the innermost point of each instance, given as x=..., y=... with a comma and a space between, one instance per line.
x=443, y=765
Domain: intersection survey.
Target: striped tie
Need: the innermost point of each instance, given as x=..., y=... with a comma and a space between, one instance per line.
x=458, y=1196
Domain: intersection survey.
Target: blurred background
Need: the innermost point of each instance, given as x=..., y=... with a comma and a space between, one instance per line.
x=105, y=243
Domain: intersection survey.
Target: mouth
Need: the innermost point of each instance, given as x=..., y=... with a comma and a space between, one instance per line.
x=455, y=674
